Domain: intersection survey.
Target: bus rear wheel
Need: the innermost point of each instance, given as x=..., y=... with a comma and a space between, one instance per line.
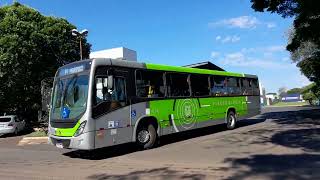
x=146, y=136
x=231, y=120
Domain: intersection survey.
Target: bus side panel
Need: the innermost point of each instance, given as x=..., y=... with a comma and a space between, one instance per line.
x=175, y=115
x=161, y=109
x=253, y=105
x=205, y=109
x=220, y=106
x=113, y=128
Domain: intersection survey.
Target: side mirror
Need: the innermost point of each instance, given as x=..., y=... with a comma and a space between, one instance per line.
x=110, y=82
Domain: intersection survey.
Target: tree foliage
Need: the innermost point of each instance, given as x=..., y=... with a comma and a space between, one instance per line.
x=311, y=93
x=304, y=41
x=294, y=91
x=32, y=47
x=282, y=92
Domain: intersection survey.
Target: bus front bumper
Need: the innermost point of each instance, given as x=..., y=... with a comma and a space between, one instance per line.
x=83, y=141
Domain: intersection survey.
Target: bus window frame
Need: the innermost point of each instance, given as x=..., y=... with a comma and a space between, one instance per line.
x=208, y=87
x=225, y=87
x=57, y=78
x=237, y=82
x=94, y=91
x=148, y=70
x=188, y=81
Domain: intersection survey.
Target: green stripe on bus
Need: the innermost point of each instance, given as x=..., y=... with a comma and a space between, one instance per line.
x=187, y=111
x=67, y=132
x=191, y=70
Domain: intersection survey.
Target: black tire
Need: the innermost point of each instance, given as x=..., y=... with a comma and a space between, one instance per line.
x=231, y=120
x=150, y=142
x=16, y=132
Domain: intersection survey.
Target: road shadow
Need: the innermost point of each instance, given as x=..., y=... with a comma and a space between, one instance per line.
x=186, y=135
x=306, y=139
x=299, y=117
x=128, y=148
x=103, y=153
x=159, y=173
x=269, y=166
x=296, y=129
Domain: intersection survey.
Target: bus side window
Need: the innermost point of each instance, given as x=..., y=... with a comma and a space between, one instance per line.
x=200, y=85
x=178, y=85
x=255, y=87
x=100, y=90
x=219, y=86
x=245, y=87
x=233, y=86
x=149, y=84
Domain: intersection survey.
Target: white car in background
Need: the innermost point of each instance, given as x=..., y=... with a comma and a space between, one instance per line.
x=10, y=124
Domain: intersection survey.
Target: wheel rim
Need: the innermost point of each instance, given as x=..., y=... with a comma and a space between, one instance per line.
x=232, y=121
x=143, y=136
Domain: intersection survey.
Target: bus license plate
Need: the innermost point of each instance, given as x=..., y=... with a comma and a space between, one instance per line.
x=59, y=145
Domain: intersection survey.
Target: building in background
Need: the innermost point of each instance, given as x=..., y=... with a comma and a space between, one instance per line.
x=292, y=98
x=271, y=98
x=263, y=98
x=116, y=53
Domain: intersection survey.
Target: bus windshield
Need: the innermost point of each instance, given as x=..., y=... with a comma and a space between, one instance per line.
x=70, y=97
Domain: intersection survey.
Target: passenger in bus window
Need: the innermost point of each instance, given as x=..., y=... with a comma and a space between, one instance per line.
x=151, y=91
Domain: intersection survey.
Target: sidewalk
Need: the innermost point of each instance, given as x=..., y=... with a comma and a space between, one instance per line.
x=33, y=141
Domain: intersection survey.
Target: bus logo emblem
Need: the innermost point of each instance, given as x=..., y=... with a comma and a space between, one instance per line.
x=188, y=111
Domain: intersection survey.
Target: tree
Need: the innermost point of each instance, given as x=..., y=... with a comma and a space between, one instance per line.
x=304, y=42
x=294, y=91
x=282, y=92
x=311, y=93
x=32, y=47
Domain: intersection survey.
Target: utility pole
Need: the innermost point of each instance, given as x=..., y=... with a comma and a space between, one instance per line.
x=81, y=35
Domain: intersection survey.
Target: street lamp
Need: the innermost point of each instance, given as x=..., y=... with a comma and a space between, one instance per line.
x=81, y=35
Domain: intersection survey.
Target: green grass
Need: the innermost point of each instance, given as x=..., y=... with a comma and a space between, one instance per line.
x=37, y=134
x=291, y=104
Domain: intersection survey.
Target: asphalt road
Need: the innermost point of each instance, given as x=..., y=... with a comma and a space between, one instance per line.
x=282, y=143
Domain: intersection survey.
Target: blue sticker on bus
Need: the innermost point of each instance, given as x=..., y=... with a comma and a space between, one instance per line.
x=65, y=112
x=133, y=114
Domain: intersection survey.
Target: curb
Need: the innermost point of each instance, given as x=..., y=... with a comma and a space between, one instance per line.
x=33, y=141
x=35, y=138
x=286, y=106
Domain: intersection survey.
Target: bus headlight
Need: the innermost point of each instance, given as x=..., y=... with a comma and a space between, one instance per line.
x=80, y=129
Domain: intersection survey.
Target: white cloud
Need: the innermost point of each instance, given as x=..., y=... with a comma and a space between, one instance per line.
x=237, y=56
x=276, y=48
x=228, y=39
x=267, y=49
x=248, y=50
x=271, y=25
x=303, y=80
x=243, y=22
x=285, y=59
x=215, y=54
x=238, y=59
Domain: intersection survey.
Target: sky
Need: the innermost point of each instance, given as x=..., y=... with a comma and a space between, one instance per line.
x=227, y=33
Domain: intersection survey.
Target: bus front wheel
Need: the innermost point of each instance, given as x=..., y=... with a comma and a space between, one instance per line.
x=146, y=136
x=231, y=120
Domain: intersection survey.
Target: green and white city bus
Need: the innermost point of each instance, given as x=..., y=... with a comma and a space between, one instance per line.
x=105, y=102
